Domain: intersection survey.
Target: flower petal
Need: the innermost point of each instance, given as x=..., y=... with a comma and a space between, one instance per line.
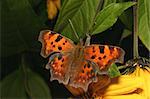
x=122, y=85
x=130, y=96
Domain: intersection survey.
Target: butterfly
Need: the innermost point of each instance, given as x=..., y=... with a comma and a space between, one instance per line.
x=77, y=65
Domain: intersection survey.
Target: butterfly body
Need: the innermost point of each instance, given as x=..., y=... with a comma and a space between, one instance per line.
x=76, y=65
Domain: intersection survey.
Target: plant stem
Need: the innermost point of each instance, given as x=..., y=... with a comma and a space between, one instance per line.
x=135, y=34
x=74, y=31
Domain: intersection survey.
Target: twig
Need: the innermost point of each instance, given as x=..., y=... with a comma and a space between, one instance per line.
x=135, y=34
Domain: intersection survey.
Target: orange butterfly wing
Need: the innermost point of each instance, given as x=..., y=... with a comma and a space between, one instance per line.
x=84, y=75
x=103, y=55
x=59, y=66
x=54, y=42
x=59, y=48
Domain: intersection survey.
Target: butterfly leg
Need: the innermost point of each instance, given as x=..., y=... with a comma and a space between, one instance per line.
x=87, y=42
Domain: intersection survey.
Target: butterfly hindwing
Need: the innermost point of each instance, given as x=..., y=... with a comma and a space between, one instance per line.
x=103, y=55
x=54, y=42
x=84, y=75
x=59, y=66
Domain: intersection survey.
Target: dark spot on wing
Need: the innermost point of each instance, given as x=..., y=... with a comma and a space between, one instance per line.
x=88, y=65
x=85, y=66
x=59, y=57
x=63, y=60
x=63, y=43
x=93, y=57
x=111, y=49
x=51, y=43
x=99, y=58
x=82, y=71
x=60, y=48
x=101, y=48
x=93, y=47
x=92, y=71
x=58, y=38
x=104, y=56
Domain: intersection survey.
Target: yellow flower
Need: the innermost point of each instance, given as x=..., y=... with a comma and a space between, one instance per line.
x=52, y=8
x=146, y=75
x=135, y=85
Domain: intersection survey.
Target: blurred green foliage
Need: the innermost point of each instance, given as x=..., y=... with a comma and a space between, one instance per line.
x=22, y=20
x=23, y=85
x=20, y=27
x=144, y=22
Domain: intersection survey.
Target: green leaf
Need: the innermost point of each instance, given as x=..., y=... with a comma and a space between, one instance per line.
x=37, y=86
x=125, y=34
x=109, y=15
x=144, y=22
x=20, y=27
x=127, y=17
x=107, y=2
x=81, y=13
x=67, y=11
x=113, y=71
x=13, y=86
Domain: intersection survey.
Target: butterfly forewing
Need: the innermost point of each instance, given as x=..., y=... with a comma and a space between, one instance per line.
x=54, y=42
x=103, y=55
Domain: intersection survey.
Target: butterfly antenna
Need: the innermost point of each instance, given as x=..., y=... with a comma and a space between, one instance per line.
x=74, y=31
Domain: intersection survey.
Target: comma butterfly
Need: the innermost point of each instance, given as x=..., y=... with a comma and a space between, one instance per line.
x=77, y=65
